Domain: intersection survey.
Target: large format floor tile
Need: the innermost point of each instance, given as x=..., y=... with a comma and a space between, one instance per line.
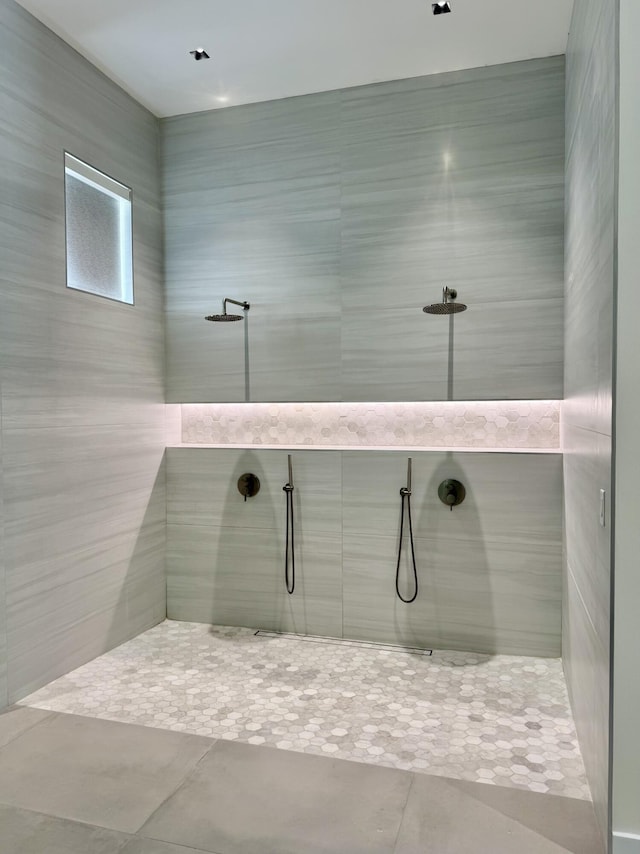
x=461, y=715
x=243, y=799
x=26, y=832
x=103, y=773
x=18, y=719
x=255, y=800
x=455, y=817
x=153, y=846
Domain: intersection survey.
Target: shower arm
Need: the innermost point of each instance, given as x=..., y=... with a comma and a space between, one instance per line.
x=244, y=305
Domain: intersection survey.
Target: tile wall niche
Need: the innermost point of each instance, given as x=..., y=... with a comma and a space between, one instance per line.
x=491, y=425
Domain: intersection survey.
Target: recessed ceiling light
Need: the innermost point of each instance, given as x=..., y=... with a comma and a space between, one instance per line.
x=441, y=8
x=199, y=53
x=222, y=99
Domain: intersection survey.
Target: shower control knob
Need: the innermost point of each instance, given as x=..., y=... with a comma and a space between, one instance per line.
x=451, y=492
x=248, y=485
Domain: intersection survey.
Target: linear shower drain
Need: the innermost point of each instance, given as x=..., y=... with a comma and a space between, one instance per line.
x=383, y=647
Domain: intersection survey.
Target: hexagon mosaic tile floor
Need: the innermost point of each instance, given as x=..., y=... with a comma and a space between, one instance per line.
x=501, y=720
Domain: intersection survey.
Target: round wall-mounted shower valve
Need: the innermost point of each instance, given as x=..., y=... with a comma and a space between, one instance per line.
x=451, y=492
x=248, y=485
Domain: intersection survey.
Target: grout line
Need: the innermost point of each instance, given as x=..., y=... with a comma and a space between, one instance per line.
x=179, y=846
x=74, y=821
x=404, y=809
x=184, y=779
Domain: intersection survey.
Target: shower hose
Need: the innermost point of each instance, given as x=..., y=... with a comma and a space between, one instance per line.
x=289, y=554
x=405, y=494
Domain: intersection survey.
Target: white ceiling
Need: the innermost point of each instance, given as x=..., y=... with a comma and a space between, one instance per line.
x=266, y=49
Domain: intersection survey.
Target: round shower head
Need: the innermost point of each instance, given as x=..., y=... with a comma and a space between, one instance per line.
x=228, y=318
x=447, y=306
x=224, y=318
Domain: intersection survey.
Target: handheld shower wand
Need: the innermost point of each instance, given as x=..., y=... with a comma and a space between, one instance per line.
x=288, y=490
x=405, y=495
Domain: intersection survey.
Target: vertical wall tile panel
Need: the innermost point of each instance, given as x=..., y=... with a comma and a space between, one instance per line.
x=587, y=468
x=586, y=658
x=233, y=577
x=226, y=556
x=589, y=269
x=478, y=595
x=509, y=497
x=3, y=614
x=339, y=215
x=81, y=377
x=252, y=212
x=490, y=571
x=202, y=488
x=454, y=180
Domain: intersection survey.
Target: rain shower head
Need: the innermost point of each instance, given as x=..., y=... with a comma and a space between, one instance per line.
x=228, y=318
x=224, y=318
x=448, y=304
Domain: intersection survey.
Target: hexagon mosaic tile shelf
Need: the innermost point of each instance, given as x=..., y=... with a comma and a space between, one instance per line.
x=501, y=720
x=528, y=425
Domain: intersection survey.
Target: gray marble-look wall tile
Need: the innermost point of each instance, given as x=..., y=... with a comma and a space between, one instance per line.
x=591, y=126
x=69, y=360
x=288, y=272
x=511, y=498
x=234, y=577
x=490, y=571
x=338, y=216
x=586, y=664
x=278, y=158
x=402, y=354
x=81, y=377
x=85, y=536
x=462, y=185
x=492, y=597
x=259, y=221
x=587, y=468
x=3, y=618
x=590, y=208
x=202, y=488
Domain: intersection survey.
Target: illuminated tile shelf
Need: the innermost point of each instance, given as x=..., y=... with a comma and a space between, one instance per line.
x=516, y=426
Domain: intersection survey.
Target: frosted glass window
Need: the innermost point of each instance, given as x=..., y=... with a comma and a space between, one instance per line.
x=99, y=239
